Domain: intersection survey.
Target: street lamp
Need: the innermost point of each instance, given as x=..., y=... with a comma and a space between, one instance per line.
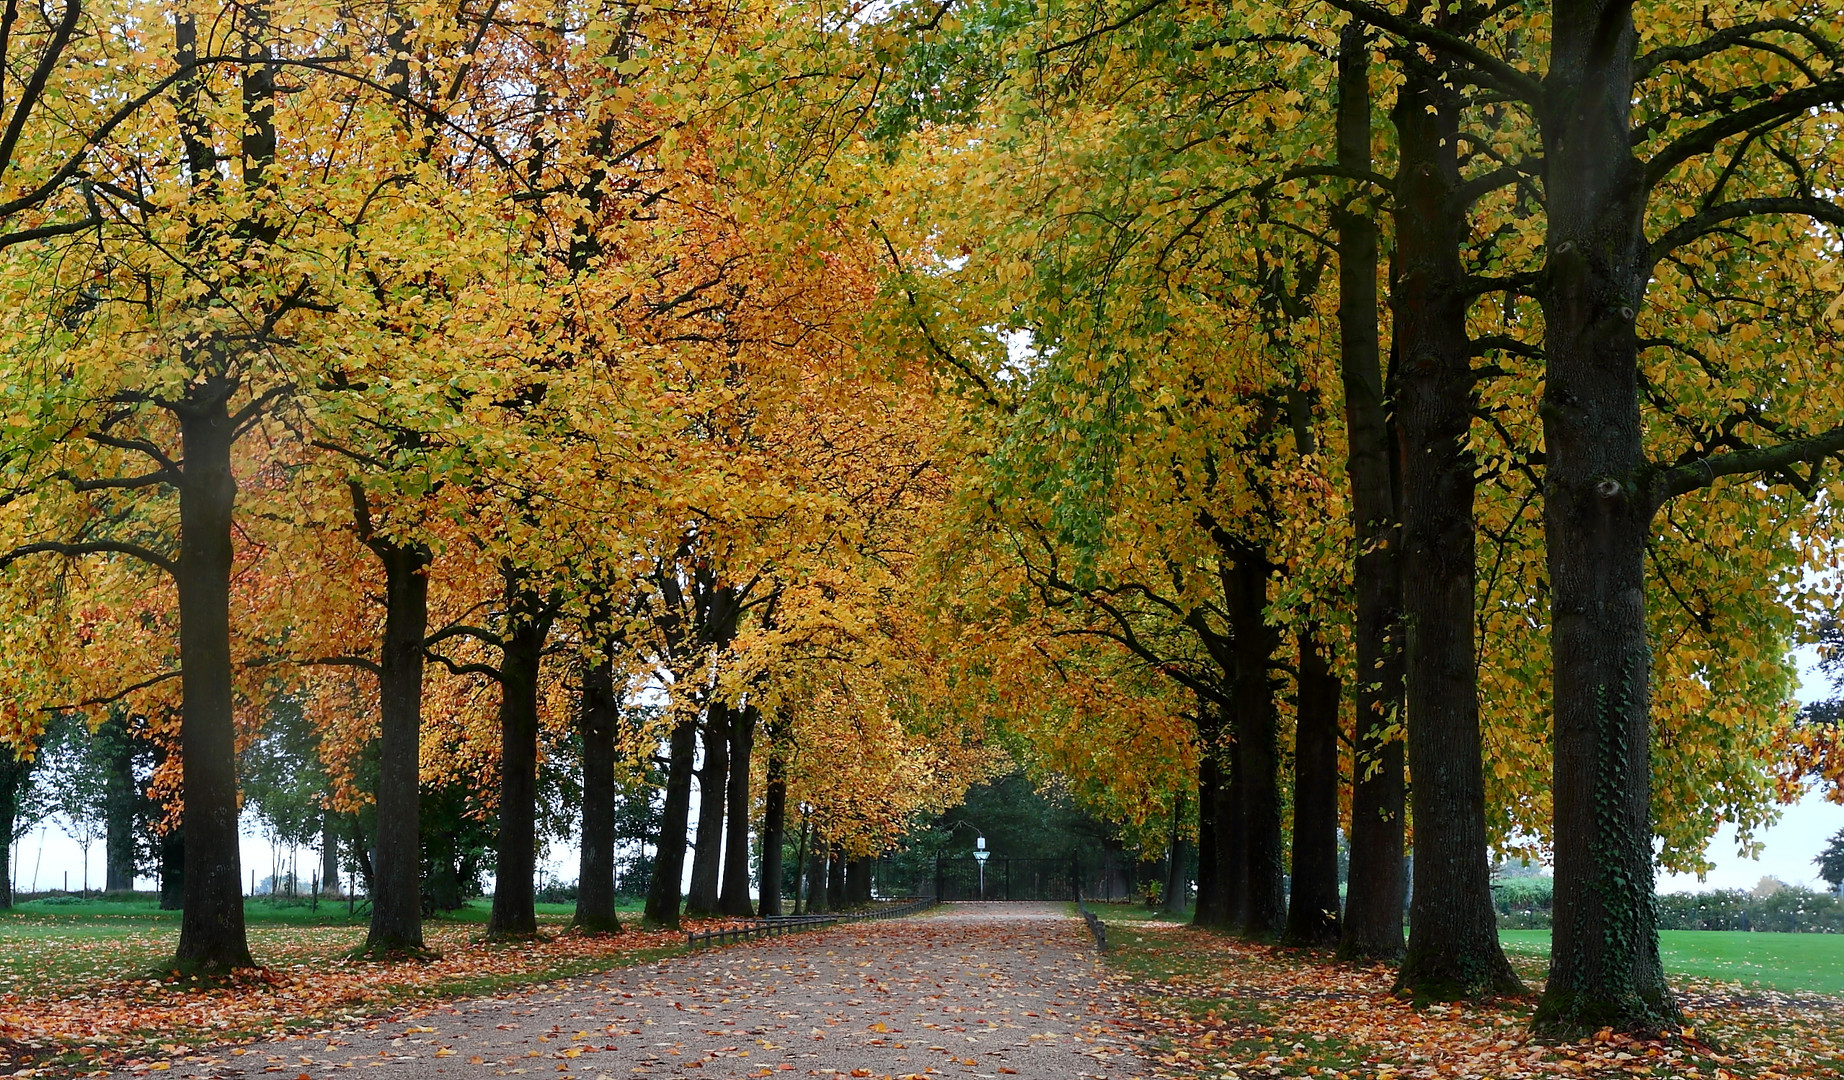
x=979, y=855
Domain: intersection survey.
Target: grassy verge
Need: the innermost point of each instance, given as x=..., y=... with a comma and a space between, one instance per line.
x=70, y=946
x=1210, y=1006
x=75, y=995
x=1790, y=963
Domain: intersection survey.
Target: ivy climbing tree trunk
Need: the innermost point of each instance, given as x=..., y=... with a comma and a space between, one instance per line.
x=735, y=897
x=1453, y=949
x=1374, y=895
x=1605, y=969
x=1312, y=905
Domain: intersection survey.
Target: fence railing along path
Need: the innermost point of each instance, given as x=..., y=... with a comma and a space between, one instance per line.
x=1095, y=925
x=788, y=924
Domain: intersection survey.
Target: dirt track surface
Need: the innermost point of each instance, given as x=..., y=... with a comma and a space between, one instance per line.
x=970, y=990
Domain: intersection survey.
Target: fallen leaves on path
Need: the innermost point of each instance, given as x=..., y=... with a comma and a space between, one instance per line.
x=1210, y=1006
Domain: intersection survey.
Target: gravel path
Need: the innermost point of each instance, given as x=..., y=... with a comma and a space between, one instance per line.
x=970, y=990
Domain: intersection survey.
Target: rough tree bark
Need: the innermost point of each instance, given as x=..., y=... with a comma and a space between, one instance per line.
x=212, y=940
x=1374, y=895
x=397, y=889
x=1453, y=949
x=1214, y=899
x=774, y=824
x=528, y=623
x=857, y=882
x=662, y=910
x=121, y=797
x=835, y=880
x=735, y=897
x=173, y=868
x=329, y=857
x=1257, y=747
x=1173, y=902
x=1605, y=969
x=816, y=877
x=1312, y=906
x=713, y=789
x=595, y=880
x=14, y=774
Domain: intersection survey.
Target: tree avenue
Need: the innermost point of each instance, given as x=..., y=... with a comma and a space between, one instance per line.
x=1401, y=425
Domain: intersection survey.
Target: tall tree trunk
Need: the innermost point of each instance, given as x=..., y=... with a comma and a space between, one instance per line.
x=121, y=797
x=595, y=879
x=1312, y=907
x=361, y=853
x=1173, y=902
x=735, y=900
x=1604, y=961
x=212, y=941
x=396, y=888
x=1232, y=859
x=713, y=788
x=802, y=899
x=816, y=876
x=173, y=869
x=1453, y=947
x=1373, y=900
x=1214, y=901
x=835, y=879
x=329, y=856
x=528, y=622
x=858, y=882
x=662, y=909
x=1257, y=748
x=15, y=772
x=774, y=825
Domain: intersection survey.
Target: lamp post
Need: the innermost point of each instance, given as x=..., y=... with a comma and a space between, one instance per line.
x=979, y=855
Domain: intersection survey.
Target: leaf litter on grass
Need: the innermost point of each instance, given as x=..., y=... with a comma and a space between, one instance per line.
x=108, y=1010
x=1208, y=1006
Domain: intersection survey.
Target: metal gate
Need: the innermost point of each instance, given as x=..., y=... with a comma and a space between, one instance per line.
x=1005, y=878
x=958, y=877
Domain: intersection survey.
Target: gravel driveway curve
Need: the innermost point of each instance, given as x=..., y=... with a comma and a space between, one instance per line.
x=968, y=990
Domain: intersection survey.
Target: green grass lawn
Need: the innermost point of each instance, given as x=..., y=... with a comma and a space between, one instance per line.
x=1787, y=962
x=71, y=942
